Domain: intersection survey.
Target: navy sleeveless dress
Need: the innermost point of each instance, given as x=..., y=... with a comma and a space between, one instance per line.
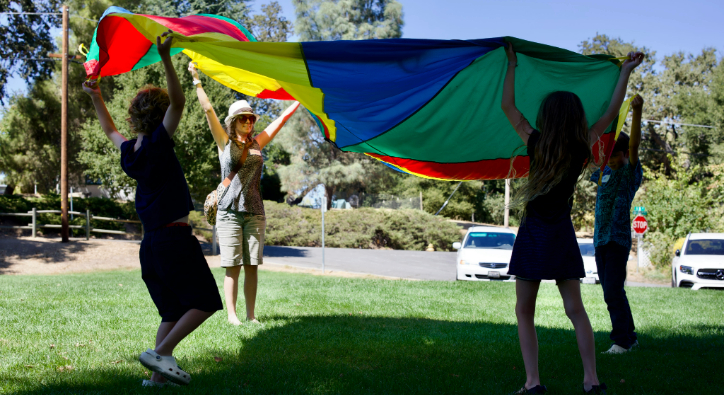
x=546, y=246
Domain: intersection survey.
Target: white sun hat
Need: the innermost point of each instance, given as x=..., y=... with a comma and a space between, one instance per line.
x=240, y=107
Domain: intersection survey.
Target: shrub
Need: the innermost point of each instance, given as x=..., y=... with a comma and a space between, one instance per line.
x=689, y=201
x=361, y=228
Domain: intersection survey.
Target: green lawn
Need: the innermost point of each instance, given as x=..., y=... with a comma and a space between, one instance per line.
x=83, y=333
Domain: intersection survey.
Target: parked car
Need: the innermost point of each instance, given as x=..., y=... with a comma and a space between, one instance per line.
x=588, y=252
x=700, y=262
x=485, y=254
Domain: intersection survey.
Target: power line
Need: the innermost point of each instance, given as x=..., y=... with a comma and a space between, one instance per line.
x=30, y=13
x=46, y=13
x=50, y=60
x=677, y=123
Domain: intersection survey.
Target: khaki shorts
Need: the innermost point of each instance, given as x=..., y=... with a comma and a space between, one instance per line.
x=241, y=238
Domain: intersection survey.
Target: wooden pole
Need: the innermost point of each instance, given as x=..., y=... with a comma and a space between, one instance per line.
x=87, y=224
x=64, y=231
x=35, y=221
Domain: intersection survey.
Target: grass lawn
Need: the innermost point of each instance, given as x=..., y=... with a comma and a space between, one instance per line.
x=83, y=333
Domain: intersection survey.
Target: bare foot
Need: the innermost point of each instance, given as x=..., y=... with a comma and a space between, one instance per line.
x=234, y=321
x=253, y=321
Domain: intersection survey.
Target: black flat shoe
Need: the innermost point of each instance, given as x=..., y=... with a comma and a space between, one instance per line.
x=596, y=389
x=538, y=389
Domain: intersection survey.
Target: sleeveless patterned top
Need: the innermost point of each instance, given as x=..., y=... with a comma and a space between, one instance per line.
x=243, y=194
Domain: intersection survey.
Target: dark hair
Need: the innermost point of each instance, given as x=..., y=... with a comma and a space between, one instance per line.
x=147, y=109
x=563, y=130
x=621, y=143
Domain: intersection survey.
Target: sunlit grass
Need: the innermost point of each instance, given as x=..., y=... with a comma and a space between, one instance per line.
x=83, y=333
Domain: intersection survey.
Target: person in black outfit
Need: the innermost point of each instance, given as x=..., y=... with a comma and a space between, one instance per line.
x=172, y=263
x=546, y=246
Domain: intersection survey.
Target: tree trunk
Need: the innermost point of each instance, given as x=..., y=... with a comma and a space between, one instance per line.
x=9, y=189
x=329, y=191
x=665, y=146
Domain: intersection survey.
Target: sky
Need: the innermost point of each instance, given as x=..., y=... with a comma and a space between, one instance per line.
x=665, y=26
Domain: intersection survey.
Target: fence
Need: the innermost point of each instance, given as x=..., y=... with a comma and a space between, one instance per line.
x=34, y=225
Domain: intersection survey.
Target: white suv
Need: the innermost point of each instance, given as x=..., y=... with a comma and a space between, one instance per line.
x=485, y=254
x=700, y=262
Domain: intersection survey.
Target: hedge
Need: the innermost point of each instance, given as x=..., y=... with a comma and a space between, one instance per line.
x=361, y=228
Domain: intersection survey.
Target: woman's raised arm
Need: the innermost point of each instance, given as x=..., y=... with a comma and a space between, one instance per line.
x=271, y=131
x=217, y=131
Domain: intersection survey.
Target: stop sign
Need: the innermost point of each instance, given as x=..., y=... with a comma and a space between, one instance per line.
x=640, y=226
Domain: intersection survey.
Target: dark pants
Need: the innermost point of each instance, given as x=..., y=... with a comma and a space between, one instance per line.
x=176, y=273
x=611, y=261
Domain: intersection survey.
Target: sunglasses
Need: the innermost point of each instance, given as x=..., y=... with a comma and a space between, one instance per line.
x=244, y=118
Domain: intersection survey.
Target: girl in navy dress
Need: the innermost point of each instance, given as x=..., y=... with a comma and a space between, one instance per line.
x=546, y=247
x=172, y=263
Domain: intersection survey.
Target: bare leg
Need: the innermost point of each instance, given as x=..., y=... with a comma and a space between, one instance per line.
x=231, y=290
x=163, y=331
x=187, y=324
x=571, y=293
x=251, y=279
x=527, y=293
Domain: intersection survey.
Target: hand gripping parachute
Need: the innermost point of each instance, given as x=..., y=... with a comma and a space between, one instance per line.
x=425, y=107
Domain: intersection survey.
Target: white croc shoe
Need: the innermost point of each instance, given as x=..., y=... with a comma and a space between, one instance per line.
x=165, y=366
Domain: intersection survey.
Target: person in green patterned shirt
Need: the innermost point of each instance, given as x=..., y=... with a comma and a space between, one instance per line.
x=612, y=231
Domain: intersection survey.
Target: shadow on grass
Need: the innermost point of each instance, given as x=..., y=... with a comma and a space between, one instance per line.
x=48, y=252
x=358, y=354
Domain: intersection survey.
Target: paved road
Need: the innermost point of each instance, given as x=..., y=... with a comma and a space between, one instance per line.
x=418, y=265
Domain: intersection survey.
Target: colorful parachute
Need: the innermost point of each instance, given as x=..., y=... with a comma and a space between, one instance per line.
x=425, y=107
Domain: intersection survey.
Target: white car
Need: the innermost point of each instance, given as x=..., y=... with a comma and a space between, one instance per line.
x=700, y=262
x=588, y=252
x=485, y=254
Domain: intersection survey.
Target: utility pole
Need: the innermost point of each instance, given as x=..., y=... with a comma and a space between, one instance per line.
x=323, y=206
x=64, y=230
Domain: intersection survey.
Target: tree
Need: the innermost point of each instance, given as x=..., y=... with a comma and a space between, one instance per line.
x=665, y=89
x=325, y=20
x=684, y=201
x=26, y=38
x=30, y=128
x=270, y=25
x=705, y=107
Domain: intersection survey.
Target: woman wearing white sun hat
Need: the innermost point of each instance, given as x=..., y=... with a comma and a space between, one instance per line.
x=240, y=220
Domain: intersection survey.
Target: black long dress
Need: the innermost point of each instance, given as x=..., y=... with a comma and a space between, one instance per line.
x=546, y=246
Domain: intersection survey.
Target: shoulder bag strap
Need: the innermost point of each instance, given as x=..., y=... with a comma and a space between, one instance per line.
x=227, y=180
